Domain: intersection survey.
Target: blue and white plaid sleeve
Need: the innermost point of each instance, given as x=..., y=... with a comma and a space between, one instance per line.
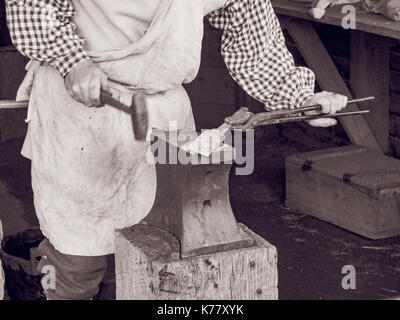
x=42, y=30
x=253, y=47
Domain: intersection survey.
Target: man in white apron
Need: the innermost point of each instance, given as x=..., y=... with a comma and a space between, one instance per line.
x=89, y=174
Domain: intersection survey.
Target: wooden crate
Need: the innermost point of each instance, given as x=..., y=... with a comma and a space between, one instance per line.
x=353, y=187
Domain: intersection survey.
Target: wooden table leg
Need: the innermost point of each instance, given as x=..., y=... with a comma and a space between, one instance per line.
x=369, y=76
x=329, y=78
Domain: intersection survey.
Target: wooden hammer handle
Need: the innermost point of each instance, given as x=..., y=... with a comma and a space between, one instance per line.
x=105, y=97
x=137, y=110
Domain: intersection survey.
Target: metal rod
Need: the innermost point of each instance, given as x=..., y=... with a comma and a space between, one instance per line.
x=11, y=104
x=362, y=99
x=349, y=113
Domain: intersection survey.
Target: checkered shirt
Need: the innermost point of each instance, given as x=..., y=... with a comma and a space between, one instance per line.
x=42, y=30
x=253, y=46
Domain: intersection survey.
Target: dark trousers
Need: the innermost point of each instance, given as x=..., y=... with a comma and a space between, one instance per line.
x=76, y=277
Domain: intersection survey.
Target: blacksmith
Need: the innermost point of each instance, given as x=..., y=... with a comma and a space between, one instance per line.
x=89, y=174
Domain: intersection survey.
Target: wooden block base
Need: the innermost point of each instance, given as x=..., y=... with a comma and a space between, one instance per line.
x=147, y=267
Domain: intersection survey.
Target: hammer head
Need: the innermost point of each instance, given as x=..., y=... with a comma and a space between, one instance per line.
x=136, y=106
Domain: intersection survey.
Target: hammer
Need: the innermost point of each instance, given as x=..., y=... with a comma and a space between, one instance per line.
x=137, y=108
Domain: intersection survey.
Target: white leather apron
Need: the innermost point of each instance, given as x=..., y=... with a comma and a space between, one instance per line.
x=89, y=174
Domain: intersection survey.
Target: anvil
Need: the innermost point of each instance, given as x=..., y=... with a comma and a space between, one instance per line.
x=192, y=197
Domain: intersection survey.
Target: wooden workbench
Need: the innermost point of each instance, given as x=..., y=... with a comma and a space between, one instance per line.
x=369, y=64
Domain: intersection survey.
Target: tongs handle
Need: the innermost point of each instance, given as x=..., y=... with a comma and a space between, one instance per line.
x=319, y=107
x=295, y=115
x=314, y=116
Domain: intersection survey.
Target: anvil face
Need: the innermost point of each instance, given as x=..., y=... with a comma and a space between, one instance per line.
x=192, y=198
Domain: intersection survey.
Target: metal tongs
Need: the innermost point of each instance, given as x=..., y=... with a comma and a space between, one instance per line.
x=244, y=119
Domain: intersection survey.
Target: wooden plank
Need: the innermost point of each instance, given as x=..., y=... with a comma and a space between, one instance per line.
x=213, y=85
x=318, y=59
x=395, y=125
x=341, y=63
x=211, y=53
x=395, y=146
x=371, y=23
x=395, y=102
x=4, y=34
x=343, y=66
x=214, y=94
x=369, y=76
x=395, y=60
x=395, y=81
x=12, y=72
x=336, y=40
x=298, y=59
x=145, y=271
x=312, y=136
x=211, y=115
x=12, y=124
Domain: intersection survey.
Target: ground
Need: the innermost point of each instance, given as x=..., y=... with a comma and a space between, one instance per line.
x=311, y=253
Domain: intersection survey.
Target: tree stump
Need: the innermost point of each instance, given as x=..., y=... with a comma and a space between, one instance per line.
x=148, y=267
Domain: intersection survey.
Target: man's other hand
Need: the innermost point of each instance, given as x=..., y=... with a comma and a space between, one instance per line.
x=85, y=81
x=331, y=103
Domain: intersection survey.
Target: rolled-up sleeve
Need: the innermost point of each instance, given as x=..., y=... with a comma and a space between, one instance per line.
x=42, y=30
x=253, y=47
